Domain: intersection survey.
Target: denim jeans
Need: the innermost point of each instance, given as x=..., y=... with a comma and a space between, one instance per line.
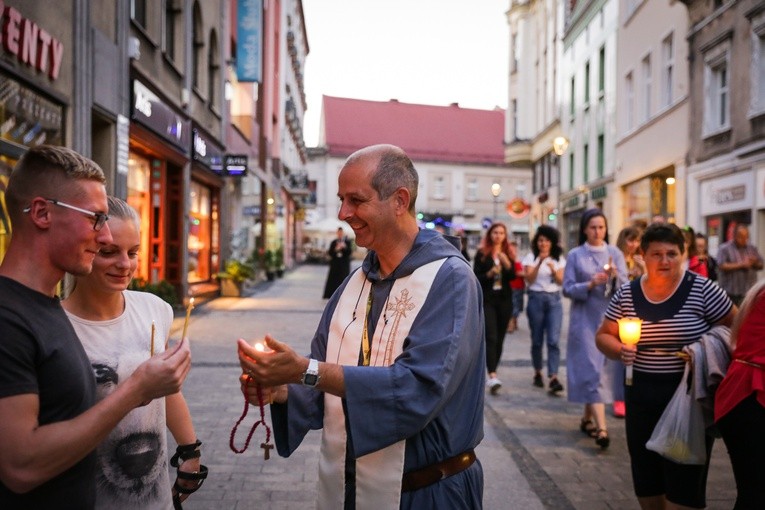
x=545, y=313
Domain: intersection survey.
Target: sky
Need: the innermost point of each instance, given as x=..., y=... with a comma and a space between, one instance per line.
x=434, y=52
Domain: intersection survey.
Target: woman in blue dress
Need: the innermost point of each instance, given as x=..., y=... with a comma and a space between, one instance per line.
x=594, y=270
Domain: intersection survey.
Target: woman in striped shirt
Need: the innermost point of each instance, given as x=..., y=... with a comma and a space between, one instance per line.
x=676, y=307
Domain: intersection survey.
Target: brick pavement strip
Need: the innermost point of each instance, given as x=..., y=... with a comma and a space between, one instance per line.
x=533, y=455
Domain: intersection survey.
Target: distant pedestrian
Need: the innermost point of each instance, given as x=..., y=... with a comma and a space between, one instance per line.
x=738, y=262
x=705, y=264
x=543, y=268
x=495, y=270
x=339, y=262
x=518, y=285
x=464, y=246
x=594, y=270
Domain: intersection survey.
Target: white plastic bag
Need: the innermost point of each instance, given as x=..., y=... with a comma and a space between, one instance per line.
x=679, y=434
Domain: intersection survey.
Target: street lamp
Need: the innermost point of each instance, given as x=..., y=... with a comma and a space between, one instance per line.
x=496, y=189
x=560, y=144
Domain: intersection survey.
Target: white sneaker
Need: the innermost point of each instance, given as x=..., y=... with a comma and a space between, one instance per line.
x=494, y=385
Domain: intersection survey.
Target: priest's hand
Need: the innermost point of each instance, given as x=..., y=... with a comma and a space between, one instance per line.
x=269, y=394
x=276, y=365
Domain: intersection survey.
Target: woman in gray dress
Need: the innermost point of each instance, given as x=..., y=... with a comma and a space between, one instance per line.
x=594, y=270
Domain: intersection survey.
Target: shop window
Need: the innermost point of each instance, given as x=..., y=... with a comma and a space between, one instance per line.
x=139, y=174
x=6, y=165
x=200, y=233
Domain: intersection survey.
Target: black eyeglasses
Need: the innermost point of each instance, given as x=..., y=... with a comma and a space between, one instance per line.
x=99, y=218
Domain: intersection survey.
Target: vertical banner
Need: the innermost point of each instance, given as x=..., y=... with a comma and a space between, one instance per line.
x=249, y=30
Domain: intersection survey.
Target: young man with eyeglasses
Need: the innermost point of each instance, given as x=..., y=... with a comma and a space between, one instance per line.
x=49, y=425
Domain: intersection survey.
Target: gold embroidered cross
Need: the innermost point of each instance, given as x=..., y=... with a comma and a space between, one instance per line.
x=399, y=307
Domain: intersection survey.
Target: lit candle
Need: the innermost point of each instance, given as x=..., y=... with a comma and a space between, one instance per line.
x=629, y=333
x=188, y=314
x=151, y=348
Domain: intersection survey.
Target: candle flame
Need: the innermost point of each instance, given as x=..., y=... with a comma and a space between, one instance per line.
x=260, y=347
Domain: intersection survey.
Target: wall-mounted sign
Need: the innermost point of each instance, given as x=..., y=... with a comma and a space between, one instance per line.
x=149, y=109
x=235, y=165
x=249, y=34
x=518, y=208
x=27, y=118
x=32, y=45
x=207, y=152
x=729, y=193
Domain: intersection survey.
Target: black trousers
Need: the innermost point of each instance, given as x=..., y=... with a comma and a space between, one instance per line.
x=742, y=430
x=497, y=312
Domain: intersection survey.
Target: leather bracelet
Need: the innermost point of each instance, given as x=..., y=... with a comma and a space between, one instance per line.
x=186, y=452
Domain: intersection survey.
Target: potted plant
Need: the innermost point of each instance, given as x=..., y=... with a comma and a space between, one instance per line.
x=233, y=276
x=279, y=261
x=269, y=259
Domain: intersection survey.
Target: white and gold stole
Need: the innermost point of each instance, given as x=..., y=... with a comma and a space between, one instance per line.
x=378, y=474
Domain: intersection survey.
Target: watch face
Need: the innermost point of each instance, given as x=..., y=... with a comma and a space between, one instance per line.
x=310, y=379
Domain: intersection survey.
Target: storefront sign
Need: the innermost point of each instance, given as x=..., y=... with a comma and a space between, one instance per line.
x=32, y=45
x=730, y=193
x=159, y=117
x=249, y=29
x=251, y=210
x=207, y=152
x=518, y=208
x=235, y=164
x=28, y=118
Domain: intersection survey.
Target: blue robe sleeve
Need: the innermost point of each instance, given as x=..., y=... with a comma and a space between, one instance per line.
x=572, y=287
x=439, y=376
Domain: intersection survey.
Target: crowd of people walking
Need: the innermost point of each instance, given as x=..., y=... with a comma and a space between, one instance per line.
x=666, y=277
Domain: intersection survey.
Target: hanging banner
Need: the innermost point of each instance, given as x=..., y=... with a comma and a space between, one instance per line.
x=249, y=31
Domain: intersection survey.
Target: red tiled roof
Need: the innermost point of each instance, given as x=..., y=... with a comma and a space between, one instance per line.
x=426, y=133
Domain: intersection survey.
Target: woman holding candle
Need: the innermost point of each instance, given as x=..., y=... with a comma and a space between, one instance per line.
x=740, y=400
x=677, y=307
x=593, y=270
x=494, y=267
x=116, y=327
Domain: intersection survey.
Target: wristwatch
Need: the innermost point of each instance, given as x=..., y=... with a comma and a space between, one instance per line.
x=311, y=375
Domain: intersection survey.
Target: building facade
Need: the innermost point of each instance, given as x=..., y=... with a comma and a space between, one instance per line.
x=726, y=160
x=589, y=111
x=652, y=112
x=150, y=91
x=532, y=126
x=458, y=153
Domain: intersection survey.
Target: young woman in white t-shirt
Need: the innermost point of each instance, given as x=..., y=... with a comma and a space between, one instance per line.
x=543, y=269
x=115, y=327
